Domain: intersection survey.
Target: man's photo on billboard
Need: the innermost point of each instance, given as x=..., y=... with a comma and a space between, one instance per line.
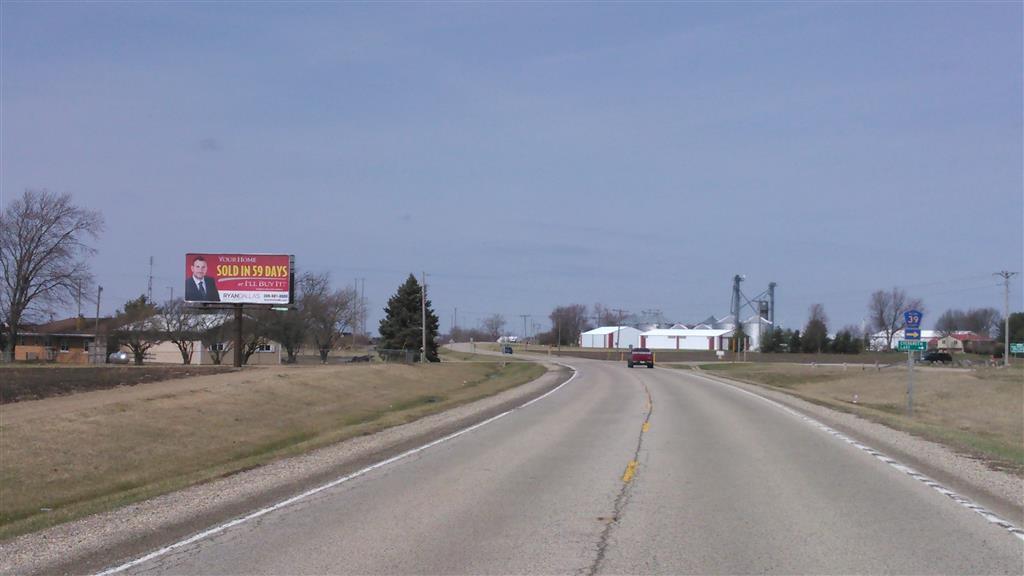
x=198, y=286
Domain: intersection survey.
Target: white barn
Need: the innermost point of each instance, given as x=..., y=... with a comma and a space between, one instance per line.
x=610, y=337
x=678, y=339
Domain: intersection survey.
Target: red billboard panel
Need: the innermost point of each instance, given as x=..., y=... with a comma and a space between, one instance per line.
x=239, y=278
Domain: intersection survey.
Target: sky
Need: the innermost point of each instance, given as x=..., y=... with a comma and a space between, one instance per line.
x=530, y=155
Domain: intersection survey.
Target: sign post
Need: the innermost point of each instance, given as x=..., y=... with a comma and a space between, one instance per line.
x=912, y=335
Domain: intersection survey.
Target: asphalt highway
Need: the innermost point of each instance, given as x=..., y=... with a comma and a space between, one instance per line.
x=620, y=472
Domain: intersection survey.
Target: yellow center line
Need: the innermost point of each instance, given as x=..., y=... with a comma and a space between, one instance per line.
x=630, y=471
x=647, y=426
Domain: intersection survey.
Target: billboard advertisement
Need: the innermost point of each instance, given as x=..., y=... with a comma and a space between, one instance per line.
x=239, y=278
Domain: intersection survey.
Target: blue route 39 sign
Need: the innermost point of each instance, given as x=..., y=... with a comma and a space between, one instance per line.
x=912, y=318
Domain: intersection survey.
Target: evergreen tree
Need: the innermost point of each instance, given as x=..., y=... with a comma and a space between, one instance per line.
x=815, y=336
x=401, y=328
x=1016, y=330
x=775, y=342
x=795, y=342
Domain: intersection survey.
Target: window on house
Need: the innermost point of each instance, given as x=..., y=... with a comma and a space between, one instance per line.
x=220, y=347
x=64, y=346
x=265, y=348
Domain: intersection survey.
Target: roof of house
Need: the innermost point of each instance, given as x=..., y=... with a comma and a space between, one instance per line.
x=608, y=330
x=693, y=333
x=68, y=327
x=967, y=336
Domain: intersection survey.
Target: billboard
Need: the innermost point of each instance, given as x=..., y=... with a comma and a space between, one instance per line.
x=239, y=278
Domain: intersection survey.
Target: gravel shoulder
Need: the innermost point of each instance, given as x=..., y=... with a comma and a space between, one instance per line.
x=998, y=491
x=96, y=542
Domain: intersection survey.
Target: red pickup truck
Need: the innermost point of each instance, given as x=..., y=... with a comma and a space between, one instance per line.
x=640, y=356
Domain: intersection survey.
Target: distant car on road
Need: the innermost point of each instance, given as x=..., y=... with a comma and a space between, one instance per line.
x=120, y=357
x=640, y=356
x=933, y=357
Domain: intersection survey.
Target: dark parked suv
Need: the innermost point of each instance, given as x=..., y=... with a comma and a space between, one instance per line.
x=933, y=357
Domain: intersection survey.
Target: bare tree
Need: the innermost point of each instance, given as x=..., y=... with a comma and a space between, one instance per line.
x=253, y=336
x=182, y=326
x=567, y=323
x=216, y=339
x=606, y=316
x=494, y=326
x=981, y=321
x=885, y=312
x=466, y=334
x=287, y=329
x=138, y=327
x=328, y=312
x=43, y=250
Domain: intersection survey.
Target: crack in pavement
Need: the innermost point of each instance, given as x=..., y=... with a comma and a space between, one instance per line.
x=623, y=497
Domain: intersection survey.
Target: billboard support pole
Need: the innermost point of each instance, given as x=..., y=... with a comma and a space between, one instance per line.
x=238, y=335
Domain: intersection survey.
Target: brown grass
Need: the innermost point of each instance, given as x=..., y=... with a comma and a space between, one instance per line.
x=74, y=455
x=26, y=382
x=978, y=412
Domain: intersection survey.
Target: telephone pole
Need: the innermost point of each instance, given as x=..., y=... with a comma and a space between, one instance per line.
x=1006, y=314
x=526, y=338
x=619, y=316
x=149, y=290
x=423, y=312
x=97, y=356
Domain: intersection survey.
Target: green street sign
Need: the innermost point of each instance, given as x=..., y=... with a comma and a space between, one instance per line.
x=908, y=345
x=1016, y=347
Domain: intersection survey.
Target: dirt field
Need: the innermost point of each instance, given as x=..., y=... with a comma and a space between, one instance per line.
x=19, y=383
x=978, y=412
x=68, y=456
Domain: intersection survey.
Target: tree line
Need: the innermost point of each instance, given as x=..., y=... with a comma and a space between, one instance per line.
x=321, y=318
x=45, y=244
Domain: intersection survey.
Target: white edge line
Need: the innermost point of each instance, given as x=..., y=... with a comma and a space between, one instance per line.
x=222, y=527
x=991, y=517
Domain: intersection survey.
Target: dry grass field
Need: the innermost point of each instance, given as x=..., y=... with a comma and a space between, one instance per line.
x=68, y=456
x=978, y=412
x=20, y=382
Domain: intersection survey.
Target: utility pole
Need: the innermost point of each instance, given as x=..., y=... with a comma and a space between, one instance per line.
x=78, y=318
x=738, y=324
x=423, y=312
x=149, y=290
x=96, y=332
x=558, y=321
x=526, y=337
x=619, y=312
x=1006, y=314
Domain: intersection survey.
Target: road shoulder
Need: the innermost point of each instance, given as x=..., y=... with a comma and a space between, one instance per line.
x=998, y=491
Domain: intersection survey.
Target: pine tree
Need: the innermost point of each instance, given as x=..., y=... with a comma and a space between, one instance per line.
x=795, y=342
x=401, y=327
